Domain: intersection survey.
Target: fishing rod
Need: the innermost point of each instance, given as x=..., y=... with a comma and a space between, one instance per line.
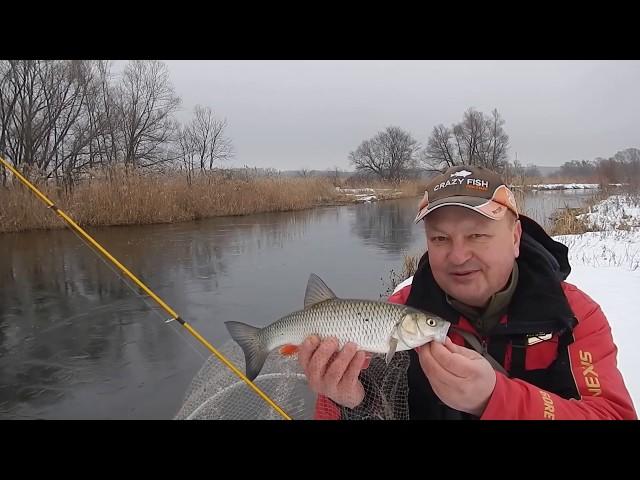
x=174, y=316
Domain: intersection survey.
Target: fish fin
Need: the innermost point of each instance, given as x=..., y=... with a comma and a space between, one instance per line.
x=255, y=354
x=289, y=349
x=393, y=343
x=317, y=291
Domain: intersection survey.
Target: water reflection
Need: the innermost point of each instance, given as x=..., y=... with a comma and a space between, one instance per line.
x=70, y=324
x=387, y=225
x=541, y=205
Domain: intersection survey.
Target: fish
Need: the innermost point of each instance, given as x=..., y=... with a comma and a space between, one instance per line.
x=377, y=327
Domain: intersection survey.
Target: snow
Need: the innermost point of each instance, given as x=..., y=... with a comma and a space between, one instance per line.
x=354, y=191
x=615, y=213
x=564, y=186
x=366, y=198
x=368, y=194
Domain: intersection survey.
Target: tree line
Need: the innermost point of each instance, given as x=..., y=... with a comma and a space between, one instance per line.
x=623, y=167
x=60, y=119
x=393, y=154
x=478, y=139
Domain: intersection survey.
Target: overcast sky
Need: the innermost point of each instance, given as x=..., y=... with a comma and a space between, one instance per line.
x=311, y=114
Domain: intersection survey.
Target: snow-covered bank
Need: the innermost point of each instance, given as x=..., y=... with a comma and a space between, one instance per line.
x=565, y=186
x=618, y=212
x=369, y=194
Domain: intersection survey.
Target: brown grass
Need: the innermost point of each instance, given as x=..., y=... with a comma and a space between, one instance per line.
x=127, y=199
x=409, y=266
x=566, y=223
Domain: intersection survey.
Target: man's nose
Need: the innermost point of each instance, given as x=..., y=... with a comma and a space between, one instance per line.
x=460, y=252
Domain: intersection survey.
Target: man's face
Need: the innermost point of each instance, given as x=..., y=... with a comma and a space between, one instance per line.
x=471, y=256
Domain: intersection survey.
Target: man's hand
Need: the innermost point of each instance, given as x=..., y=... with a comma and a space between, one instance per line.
x=462, y=378
x=335, y=378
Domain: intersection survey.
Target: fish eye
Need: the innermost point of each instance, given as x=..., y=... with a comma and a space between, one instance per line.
x=431, y=322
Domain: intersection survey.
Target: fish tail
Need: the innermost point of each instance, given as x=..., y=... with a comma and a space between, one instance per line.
x=255, y=353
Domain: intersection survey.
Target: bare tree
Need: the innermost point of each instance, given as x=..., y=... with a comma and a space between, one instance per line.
x=439, y=151
x=106, y=147
x=8, y=97
x=42, y=107
x=623, y=167
x=187, y=147
x=207, y=139
x=147, y=102
x=390, y=154
x=630, y=159
x=609, y=171
x=470, y=136
x=476, y=140
x=335, y=175
x=73, y=153
x=498, y=144
x=59, y=119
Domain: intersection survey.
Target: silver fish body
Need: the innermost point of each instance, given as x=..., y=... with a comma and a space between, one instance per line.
x=368, y=324
x=374, y=326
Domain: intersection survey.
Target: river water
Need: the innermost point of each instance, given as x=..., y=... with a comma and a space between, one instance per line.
x=77, y=342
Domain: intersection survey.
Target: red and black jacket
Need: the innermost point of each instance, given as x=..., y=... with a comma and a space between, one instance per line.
x=554, y=341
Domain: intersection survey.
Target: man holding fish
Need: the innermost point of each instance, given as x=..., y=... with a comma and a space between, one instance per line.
x=522, y=342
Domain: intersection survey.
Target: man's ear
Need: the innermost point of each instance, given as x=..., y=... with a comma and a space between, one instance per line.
x=517, y=235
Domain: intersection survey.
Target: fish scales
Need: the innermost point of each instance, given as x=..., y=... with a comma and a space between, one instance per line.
x=368, y=324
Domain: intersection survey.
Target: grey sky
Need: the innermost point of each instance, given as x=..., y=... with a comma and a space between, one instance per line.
x=311, y=114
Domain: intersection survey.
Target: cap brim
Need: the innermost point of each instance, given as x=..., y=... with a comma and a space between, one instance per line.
x=488, y=208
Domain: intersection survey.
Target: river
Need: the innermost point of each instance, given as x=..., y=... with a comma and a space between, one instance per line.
x=77, y=342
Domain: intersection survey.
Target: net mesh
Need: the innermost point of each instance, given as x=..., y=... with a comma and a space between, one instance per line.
x=216, y=393
x=386, y=391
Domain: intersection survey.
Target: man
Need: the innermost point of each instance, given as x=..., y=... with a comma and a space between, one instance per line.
x=524, y=344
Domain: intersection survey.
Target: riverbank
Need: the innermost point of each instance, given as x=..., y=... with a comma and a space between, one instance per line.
x=574, y=221
x=135, y=199
x=565, y=186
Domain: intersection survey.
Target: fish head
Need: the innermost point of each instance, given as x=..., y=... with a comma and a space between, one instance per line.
x=417, y=328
